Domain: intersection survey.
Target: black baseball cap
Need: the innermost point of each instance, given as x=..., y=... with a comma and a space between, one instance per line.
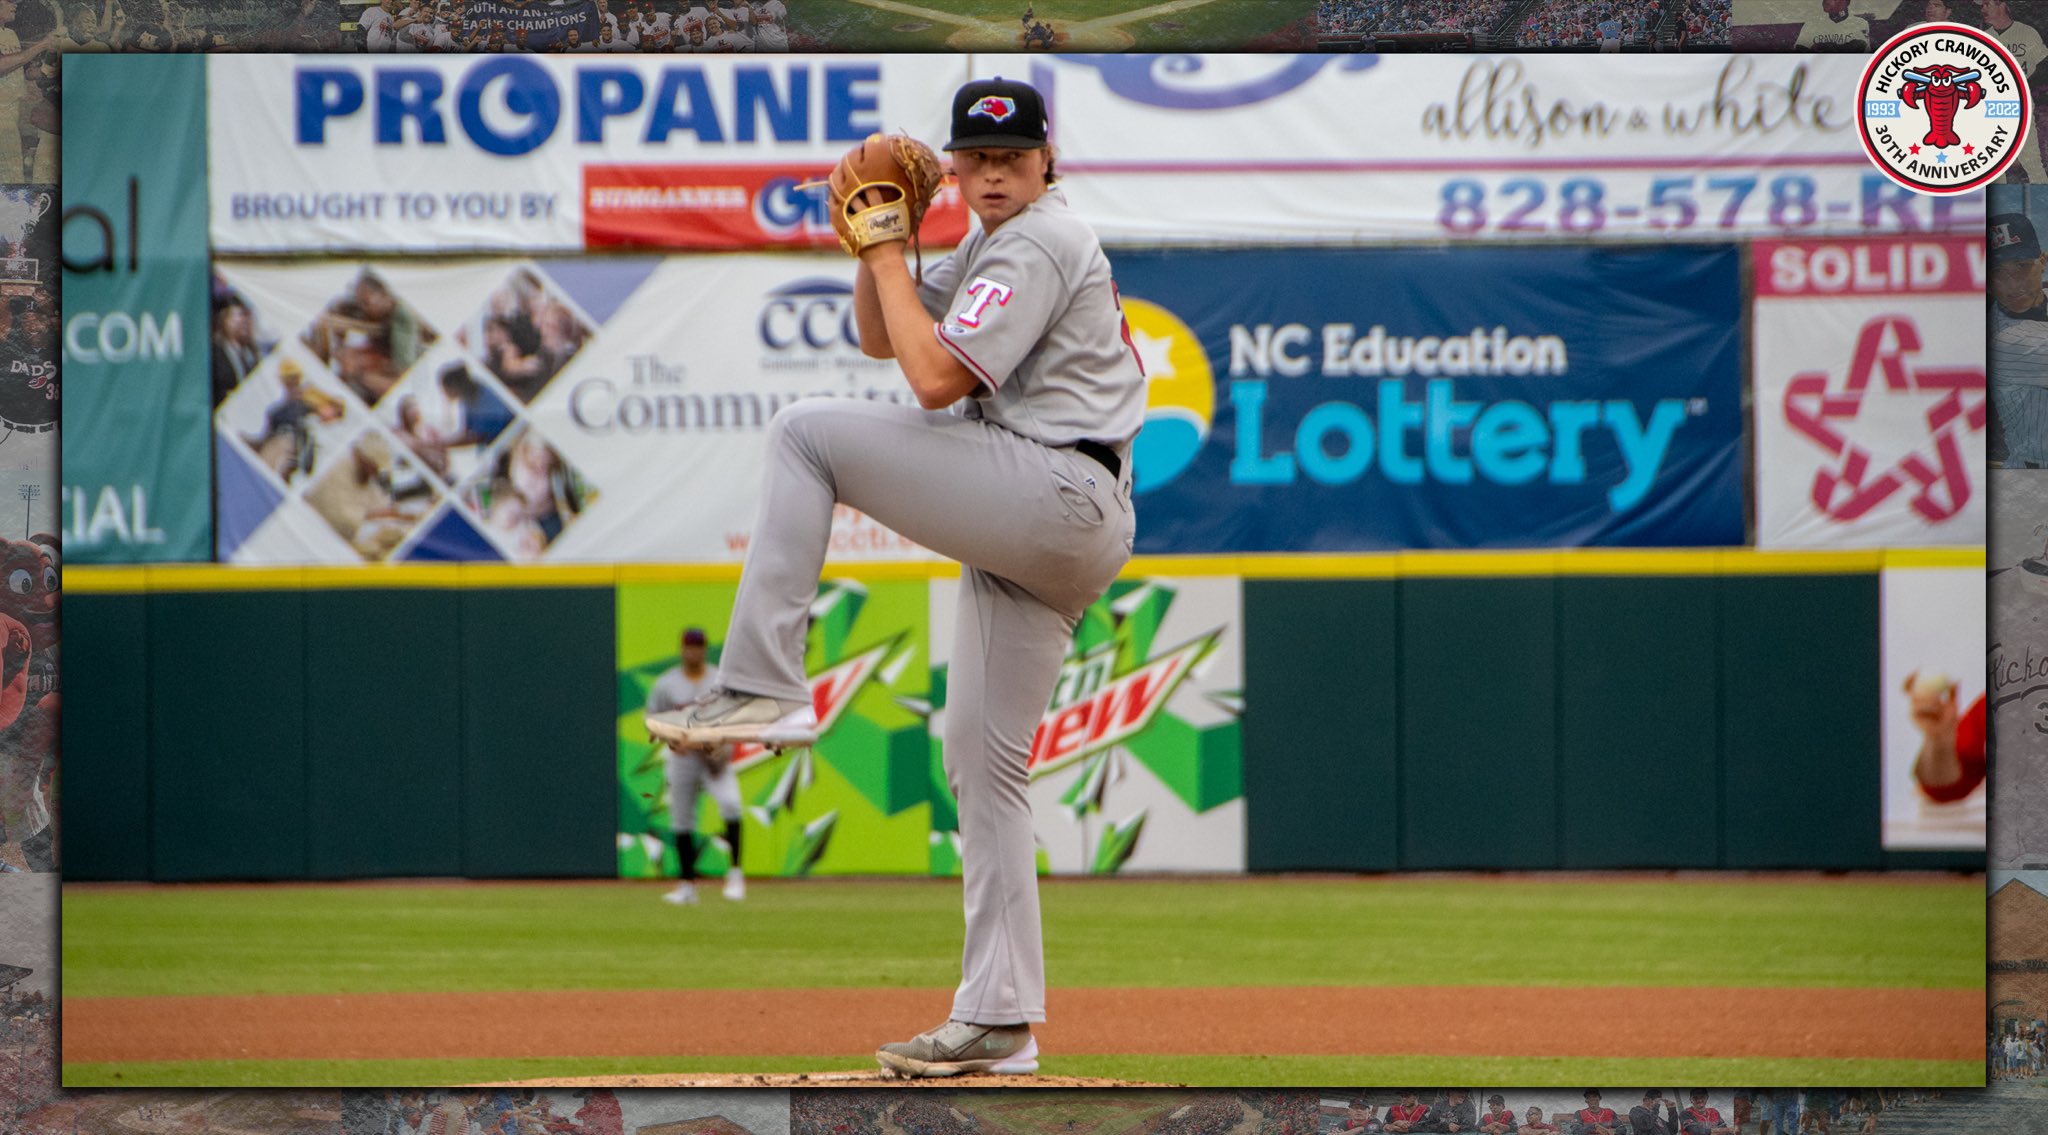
x=694, y=636
x=2012, y=238
x=998, y=113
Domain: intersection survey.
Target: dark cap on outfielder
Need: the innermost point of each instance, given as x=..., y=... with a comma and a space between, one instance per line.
x=999, y=114
x=2012, y=238
x=694, y=636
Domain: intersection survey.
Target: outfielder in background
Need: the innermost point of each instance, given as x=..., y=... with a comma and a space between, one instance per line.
x=1017, y=465
x=693, y=771
x=2018, y=351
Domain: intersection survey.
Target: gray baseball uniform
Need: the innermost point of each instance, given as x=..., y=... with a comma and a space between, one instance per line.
x=1039, y=529
x=2026, y=46
x=2018, y=366
x=688, y=776
x=2019, y=717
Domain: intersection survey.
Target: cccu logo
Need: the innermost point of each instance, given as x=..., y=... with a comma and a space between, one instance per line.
x=1180, y=400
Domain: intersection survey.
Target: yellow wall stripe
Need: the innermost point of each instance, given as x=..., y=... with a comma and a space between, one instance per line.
x=91, y=580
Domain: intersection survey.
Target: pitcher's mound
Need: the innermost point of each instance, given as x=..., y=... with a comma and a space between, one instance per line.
x=821, y=1080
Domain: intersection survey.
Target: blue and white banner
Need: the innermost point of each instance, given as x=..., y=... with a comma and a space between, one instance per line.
x=1316, y=400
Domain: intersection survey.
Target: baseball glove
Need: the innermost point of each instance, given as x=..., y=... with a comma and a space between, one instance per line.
x=902, y=172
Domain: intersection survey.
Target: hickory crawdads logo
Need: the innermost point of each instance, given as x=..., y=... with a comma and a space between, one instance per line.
x=1943, y=108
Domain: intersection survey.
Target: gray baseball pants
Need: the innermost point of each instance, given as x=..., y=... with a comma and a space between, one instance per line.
x=687, y=776
x=1039, y=533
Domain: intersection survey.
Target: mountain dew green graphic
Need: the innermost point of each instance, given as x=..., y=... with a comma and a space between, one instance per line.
x=859, y=801
x=1111, y=690
x=1114, y=739
x=1117, y=844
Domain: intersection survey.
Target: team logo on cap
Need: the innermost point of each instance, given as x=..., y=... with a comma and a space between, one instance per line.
x=2002, y=236
x=1943, y=108
x=994, y=106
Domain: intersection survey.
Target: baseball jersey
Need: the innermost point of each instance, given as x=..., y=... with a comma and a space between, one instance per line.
x=674, y=689
x=2024, y=43
x=1399, y=1114
x=1823, y=33
x=1032, y=312
x=1501, y=1116
x=1648, y=1121
x=376, y=25
x=1700, y=1120
x=2019, y=715
x=1602, y=1115
x=730, y=43
x=770, y=20
x=2017, y=364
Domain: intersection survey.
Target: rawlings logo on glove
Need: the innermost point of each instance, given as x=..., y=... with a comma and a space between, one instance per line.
x=880, y=191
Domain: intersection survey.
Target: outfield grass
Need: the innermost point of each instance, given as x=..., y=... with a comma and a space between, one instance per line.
x=127, y=942
x=1246, y=1071
x=1218, y=25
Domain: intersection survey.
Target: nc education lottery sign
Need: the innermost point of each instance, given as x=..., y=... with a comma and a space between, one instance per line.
x=1355, y=400
x=526, y=152
x=1870, y=396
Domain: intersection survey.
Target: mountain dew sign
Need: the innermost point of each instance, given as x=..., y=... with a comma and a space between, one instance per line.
x=858, y=802
x=1136, y=765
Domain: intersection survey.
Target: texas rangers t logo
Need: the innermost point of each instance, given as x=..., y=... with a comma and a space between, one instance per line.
x=994, y=106
x=982, y=292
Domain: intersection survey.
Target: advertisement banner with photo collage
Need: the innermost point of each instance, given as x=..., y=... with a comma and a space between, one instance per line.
x=587, y=411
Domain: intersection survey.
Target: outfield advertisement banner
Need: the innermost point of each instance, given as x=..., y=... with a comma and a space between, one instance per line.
x=1870, y=399
x=1137, y=766
x=1327, y=400
x=520, y=410
x=135, y=461
x=527, y=153
x=1268, y=148
x=432, y=153
x=1932, y=697
x=862, y=801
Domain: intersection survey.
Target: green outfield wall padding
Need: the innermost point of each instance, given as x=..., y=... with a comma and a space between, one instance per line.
x=539, y=713
x=227, y=735
x=1320, y=724
x=1800, y=737
x=383, y=733
x=1638, y=733
x=1478, y=723
x=105, y=738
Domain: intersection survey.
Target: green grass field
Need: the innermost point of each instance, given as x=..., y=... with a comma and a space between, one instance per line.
x=1139, y=25
x=866, y=934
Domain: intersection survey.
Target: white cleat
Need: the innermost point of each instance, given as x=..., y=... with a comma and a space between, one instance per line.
x=685, y=894
x=735, y=885
x=722, y=717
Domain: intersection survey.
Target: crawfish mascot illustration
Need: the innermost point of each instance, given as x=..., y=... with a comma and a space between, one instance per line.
x=28, y=697
x=1940, y=88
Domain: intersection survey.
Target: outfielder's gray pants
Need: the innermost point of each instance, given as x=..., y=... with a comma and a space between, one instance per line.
x=1039, y=533
x=687, y=777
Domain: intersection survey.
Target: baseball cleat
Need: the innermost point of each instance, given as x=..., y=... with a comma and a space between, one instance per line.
x=735, y=884
x=957, y=1048
x=685, y=894
x=723, y=717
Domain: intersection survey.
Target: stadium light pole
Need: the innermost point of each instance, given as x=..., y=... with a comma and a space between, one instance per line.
x=28, y=495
